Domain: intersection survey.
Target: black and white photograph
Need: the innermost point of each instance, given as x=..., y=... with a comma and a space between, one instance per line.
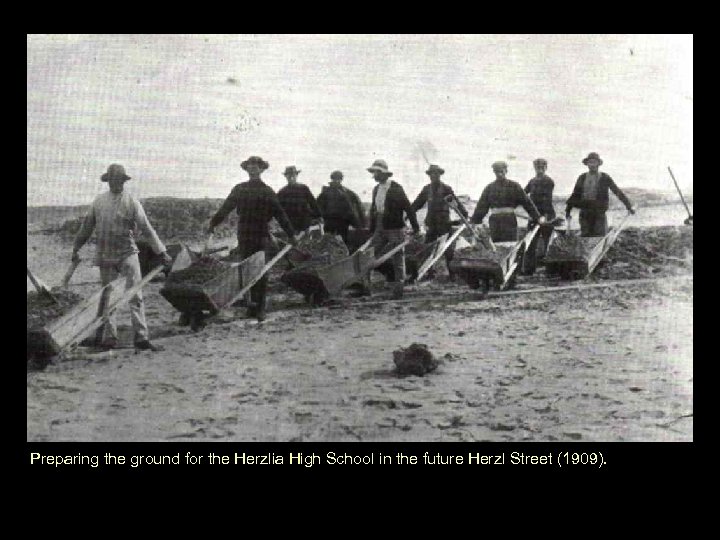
x=369, y=238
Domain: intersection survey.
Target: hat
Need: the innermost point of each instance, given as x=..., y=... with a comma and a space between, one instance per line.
x=499, y=165
x=435, y=169
x=255, y=159
x=540, y=161
x=115, y=171
x=379, y=165
x=291, y=169
x=336, y=175
x=592, y=155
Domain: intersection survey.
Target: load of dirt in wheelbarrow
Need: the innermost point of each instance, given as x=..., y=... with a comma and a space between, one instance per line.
x=569, y=247
x=41, y=310
x=414, y=360
x=198, y=273
x=479, y=251
x=323, y=250
x=648, y=252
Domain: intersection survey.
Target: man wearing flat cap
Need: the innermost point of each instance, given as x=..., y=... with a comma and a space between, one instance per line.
x=437, y=219
x=500, y=198
x=256, y=204
x=387, y=224
x=540, y=189
x=591, y=196
x=115, y=216
x=340, y=207
x=298, y=201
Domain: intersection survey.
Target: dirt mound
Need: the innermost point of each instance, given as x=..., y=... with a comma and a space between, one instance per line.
x=648, y=252
x=41, y=310
x=198, y=273
x=414, y=360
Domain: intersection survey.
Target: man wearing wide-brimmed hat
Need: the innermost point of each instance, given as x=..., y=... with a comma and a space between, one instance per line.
x=591, y=196
x=256, y=204
x=298, y=201
x=387, y=224
x=340, y=207
x=115, y=216
x=437, y=219
x=501, y=198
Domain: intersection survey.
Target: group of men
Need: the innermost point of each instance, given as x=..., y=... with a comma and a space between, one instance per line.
x=115, y=215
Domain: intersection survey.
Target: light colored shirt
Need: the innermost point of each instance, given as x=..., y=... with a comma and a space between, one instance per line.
x=590, y=186
x=380, y=196
x=115, y=218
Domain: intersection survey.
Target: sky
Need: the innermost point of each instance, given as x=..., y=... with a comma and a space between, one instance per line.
x=181, y=112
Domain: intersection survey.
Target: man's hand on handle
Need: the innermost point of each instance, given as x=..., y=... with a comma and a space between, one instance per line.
x=166, y=259
x=75, y=257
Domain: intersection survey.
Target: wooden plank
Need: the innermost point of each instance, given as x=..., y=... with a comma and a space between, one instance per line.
x=439, y=251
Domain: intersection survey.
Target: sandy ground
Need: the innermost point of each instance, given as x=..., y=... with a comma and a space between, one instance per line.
x=601, y=364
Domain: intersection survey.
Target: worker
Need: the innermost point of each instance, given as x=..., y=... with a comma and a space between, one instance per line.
x=298, y=201
x=540, y=189
x=387, y=224
x=256, y=204
x=591, y=196
x=437, y=219
x=500, y=198
x=116, y=216
x=340, y=207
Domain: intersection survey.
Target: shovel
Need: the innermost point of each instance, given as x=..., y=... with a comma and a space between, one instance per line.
x=70, y=271
x=689, y=220
x=41, y=287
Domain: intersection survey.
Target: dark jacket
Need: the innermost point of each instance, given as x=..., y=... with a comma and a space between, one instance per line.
x=438, y=211
x=396, y=202
x=541, y=194
x=341, y=203
x=299, y=204
x=256, y=204
x=601, y=202
x=501, y=194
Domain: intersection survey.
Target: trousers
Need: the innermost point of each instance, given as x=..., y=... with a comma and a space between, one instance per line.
x=593, y=223
x=503, y=227
x=129, y=268
x=337, y=226
x=386, y=239
x=246, y=247
x=435, y=233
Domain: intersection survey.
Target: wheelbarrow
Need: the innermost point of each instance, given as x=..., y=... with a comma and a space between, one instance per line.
x=197, y=302
x=320, y=280
x=482, y=268
x=67, y=331
x=575, y=257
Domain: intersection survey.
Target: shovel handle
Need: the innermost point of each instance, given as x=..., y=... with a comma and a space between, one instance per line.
x=70, y=271
x=206, y=247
